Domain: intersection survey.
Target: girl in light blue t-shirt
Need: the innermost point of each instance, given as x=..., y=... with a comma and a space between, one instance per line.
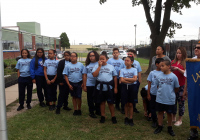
x=24, y=79
x=89, y=82
x=50, y=73
x=105, y=74
x=128, y=76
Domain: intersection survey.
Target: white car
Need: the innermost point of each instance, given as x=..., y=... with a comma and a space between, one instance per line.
x=123, y=54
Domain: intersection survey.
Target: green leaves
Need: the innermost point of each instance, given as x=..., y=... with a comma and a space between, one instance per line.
x=64, y=40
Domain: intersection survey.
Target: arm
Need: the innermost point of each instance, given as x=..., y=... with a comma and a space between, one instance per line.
x=115, y=84
x=125, y=81
x=148, y=91
x=131, y=79
x=139, y=77
x=67, y=81
x=45, y=75
x=54, y=79
x=176, y=90
x=178, y=69
x=96, y=73
x=84, y=82
x=18, y=73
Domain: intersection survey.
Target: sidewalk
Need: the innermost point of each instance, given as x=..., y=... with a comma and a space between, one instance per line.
x=12, y=93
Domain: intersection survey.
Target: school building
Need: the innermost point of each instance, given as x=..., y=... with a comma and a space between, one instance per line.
x=27, y=36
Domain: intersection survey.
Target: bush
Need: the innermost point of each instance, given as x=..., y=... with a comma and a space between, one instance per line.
x=5, y=65
x=92, y=49
x=13, y=66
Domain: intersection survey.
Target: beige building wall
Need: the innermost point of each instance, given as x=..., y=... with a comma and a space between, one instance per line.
x=78, y=48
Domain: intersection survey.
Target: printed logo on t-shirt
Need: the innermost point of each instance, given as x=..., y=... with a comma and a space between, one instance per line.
x=167, y=81
x=76, y=70
x=89, y=69
x=26, y=63
x=128, y=75
x=116, y=64
x=105, y=70
x=41, y=63
x=51, y=64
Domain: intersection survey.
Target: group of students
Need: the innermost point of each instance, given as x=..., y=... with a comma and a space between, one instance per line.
x=105, y=80
x=112, y=80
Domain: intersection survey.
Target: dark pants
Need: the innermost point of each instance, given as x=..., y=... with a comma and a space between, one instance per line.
x=136, y=90
x=181, y=102
x=90, y=100
x=153, y=107
x=63, y=95
x=23, y=83
x=118, y=95
x=41, y=84
x=52, y=89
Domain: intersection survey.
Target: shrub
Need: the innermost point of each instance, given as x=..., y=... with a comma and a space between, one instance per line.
x=92, y=49
x=5, y=65
x=13, y=66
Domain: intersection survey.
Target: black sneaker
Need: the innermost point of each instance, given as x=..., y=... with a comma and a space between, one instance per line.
x=58, y=111
x=158, y=130
x=193, y=138
x=29, y=106
x=135, y=110
x=79, y=113
x=67, y=108
x=114, y=120
x=102, y=119
x=130, y=121
x=42, y=104
x=154, y=124
x=170, y=131
x=92, y=115
x=126, y=121
x=75, y=112
x=51, y=108
x=20, y=108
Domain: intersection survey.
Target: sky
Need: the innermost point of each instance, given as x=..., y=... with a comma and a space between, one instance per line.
x=89, y=22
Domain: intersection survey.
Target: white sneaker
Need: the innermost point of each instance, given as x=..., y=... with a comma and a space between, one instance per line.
x=178, y=123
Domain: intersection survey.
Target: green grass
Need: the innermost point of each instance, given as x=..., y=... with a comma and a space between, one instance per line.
x=42, y=124
x=10, y=61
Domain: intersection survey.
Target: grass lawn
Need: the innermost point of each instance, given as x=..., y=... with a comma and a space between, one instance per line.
x=42, y=124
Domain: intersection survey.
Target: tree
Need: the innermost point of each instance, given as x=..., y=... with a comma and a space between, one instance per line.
x=154, y=8
x=64, y=41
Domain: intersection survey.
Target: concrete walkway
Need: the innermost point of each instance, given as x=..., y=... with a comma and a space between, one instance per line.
x=12, y=93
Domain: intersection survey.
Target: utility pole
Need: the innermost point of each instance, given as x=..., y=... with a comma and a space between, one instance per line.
x=135, y=34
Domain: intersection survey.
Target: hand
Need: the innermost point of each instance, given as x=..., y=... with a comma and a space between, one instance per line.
x=70, y=87
x=115, y=90
x=85, y=88
x=33, y=81
x=61, y=84
x=100, y=63
x=52, y=81
x=176, y=68
x=120, y=81
x=48, y=82
x=148, y=97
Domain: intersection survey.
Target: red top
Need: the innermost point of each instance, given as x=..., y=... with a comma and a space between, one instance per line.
x=181, y=77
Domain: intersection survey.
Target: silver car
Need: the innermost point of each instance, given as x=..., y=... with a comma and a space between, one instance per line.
x=123, y=54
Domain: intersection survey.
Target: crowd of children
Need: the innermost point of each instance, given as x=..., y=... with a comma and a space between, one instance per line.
x=105, y=80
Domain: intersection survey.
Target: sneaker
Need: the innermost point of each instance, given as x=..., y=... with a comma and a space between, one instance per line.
x=193, y=134
x=58, y=111
x=29, y=106
x=42, y=104
x=92, y=115
x=75, y=112
x=51, y=108
x=130, y=121
x=193, y=138
x=154, y=124
x=114, y=120
x=126, y=121
x=158, y=130
x=79, y=112
x=67, y=108
x=20, y=108
x=102, y=120
x=178, y=123
x=170, y=131
x=135, y=110
x=149, y=119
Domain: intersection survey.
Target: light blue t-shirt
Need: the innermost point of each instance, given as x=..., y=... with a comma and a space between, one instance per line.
x=91, y=81
x=136, y=65
x=74, y=72
x=146, y=87
x=166, y=84
x=128, y=73
x=23, y=65
x=117, y=64
x=51, y=66
x=66, y=62
x=152, y=76
x=106, y=74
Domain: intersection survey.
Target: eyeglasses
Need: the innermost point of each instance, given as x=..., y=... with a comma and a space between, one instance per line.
x=127, y=60
x=92, y=55
x=73, y=56
x=197, y=48
x=67, y=55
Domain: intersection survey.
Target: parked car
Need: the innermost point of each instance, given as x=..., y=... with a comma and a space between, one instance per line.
x=46, y=54
x=32, y=53
x=59, y=54
x=123, y=54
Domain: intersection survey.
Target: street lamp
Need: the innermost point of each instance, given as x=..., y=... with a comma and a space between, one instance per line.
x=135, y=34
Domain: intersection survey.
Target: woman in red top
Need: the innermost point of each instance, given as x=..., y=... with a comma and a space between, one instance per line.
x=178, y=66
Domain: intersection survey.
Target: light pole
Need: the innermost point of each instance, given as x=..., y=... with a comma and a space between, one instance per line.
x=135, y=34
